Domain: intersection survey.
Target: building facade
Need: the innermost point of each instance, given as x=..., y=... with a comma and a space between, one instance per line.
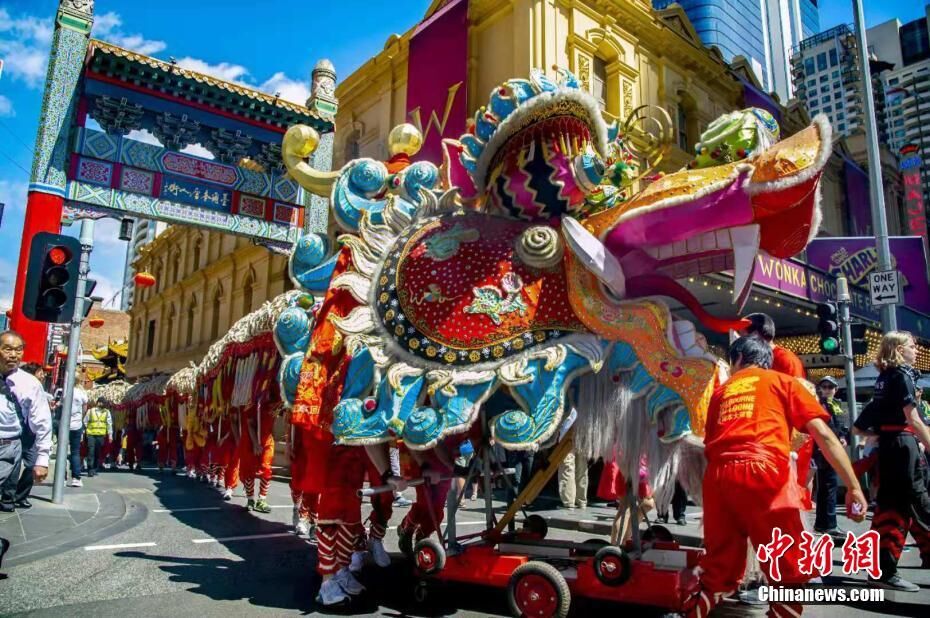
x=762, y=31
x=205, y=281
x=625, y=53
x=826, y=74
x=906, y=87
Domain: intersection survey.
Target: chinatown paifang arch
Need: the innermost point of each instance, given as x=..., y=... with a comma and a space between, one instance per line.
x=81, y=172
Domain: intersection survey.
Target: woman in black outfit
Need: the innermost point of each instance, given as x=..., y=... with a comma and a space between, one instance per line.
x=903, y=502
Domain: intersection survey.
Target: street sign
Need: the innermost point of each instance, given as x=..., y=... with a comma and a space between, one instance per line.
x=884, y=288
x=814, y=361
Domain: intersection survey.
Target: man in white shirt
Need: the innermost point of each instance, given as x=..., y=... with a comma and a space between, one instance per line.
x=24, y=416
x=27, y=478
x=76, y=430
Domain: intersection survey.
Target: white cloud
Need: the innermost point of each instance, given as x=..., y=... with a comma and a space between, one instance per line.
x=6, y=107
x=197, y=150
x=226, y=71
x=28, y=27
x=292, y=90
x=108, y=27
x=144, y=136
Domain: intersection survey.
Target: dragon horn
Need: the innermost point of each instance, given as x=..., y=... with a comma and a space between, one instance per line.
x=299, y=143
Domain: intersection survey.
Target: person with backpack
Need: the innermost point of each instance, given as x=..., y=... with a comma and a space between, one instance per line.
x=25, y=423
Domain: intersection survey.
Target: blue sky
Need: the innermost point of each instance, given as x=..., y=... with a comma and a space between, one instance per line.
x=272, y=45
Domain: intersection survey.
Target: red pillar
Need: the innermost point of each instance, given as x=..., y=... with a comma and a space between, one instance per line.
x=43, y=214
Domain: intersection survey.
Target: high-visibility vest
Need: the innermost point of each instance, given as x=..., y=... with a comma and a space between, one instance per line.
x=97, y=422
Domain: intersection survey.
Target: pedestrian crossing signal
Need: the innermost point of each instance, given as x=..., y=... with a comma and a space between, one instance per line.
x=857, y=335
x=829, y=328
x=51, y=278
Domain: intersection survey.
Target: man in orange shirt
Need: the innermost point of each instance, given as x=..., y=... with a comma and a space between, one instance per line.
x=748, y=489
x=783, y=360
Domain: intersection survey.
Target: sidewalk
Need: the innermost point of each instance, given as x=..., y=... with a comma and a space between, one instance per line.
x=46, y=528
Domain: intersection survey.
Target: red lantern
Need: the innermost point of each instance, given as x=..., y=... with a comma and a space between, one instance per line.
x=144, y=279
x=95, y=322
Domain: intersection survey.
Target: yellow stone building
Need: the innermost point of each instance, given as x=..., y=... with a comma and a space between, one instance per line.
x=623, y=51
x=205, y=281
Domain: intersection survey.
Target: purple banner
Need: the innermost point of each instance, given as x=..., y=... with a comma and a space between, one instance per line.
x=437, y=74
x=753, y=97
x=857, y=199
x=857, y=257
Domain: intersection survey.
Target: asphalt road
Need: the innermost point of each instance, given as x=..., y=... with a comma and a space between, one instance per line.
x=176, y=549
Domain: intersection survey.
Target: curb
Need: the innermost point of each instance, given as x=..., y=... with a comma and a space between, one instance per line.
x=115, y=515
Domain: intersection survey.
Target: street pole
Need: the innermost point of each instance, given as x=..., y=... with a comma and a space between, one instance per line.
x=876, y=187
x=74, y=345
x=843, y=300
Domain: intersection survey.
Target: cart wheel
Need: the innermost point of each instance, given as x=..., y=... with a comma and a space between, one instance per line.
x=537, y=589
x=421, y=592
x=658, y=533
x=536, y=525
x=612, y=566
x=429, y=557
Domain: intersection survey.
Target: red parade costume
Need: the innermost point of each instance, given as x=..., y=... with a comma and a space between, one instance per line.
x=341, y=470
x=254, y=466
x=748, y=489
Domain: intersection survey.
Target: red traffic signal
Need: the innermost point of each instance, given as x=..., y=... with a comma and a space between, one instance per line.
x=51, y=278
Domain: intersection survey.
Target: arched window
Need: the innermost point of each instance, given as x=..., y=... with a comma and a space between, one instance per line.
x=169, y=329
x=176, y=267
x=687, y=122
x=198, y=246
x=215, y=313
x=248, y=286
x=191, y=315
x=159, y=271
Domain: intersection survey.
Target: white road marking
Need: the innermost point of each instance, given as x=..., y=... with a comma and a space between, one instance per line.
x=118, y=546
x=199, y=508
x=251, y=537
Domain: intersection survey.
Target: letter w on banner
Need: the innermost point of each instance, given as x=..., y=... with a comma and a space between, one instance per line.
x=437, y=77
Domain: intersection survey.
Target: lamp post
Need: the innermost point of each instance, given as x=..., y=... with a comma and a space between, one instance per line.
x=876, y=186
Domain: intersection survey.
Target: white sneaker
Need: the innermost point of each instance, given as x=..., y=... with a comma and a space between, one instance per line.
x=227, y=495
x=378, y=554
x=358, y=561
x=303, y=527
x=191, y=474
x=75, y=483
x=347, y=582
x=331, y=593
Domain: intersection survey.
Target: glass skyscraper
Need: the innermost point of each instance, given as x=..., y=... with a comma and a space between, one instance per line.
x=763, y=31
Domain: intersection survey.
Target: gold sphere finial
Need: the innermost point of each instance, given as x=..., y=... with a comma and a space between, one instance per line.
x=405, y=138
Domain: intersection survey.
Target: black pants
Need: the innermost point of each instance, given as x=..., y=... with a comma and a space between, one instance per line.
x=94, y=450
x=827, y=484
x=902, y=496
x=679, y=503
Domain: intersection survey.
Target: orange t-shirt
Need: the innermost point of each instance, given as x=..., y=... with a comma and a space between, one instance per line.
x=758, y=408
x=787, y=362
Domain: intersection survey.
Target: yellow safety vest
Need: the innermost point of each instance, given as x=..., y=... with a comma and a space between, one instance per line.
x=97, y=422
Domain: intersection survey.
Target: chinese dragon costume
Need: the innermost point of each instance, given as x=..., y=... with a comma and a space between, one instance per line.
x=529, y=261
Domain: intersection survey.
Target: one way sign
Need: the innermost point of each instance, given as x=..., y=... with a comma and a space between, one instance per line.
x=884, y=289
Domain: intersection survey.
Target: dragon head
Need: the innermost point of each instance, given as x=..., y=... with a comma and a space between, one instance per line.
x=706, y=219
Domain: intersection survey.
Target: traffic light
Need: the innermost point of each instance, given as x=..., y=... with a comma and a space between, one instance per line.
x=857, y=334
x=829, y=328
x=89, y=286
x=51, y=278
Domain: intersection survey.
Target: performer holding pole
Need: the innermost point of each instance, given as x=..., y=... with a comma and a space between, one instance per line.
x=903, y=502
x=749, y=494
